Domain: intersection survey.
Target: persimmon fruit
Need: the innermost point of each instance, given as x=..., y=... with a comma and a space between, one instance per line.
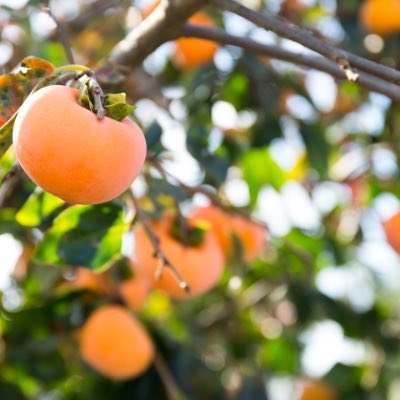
x=250, y=234
x=114, y=343
x=134, y=291
x=191, y=52
x=200, y=266
x=315, y=390
x=381, y=16
x=70, y=153
x=392, y=230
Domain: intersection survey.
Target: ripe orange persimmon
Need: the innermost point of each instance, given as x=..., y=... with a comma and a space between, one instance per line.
x=250, y=234
x=392, y=230
x=381, y=16
x=201, y=266
x=68, y=152
x=314, y=390
x=134, y=291
x=113, y=342
x=191, y=52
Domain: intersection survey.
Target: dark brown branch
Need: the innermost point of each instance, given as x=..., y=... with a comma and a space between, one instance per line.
x=162, y=25
x=315, y=62
x=290, y=31
x=8, y=181
x=164, y=261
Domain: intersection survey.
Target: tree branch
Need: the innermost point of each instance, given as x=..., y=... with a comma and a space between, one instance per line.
x=162, y=25
x=158, y=252
x=314, y=62
x=344, y=59
x=8, y=181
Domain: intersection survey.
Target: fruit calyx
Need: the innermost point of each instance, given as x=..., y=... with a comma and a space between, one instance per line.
x=188, y=233
x=112, y=105
x=91, y=95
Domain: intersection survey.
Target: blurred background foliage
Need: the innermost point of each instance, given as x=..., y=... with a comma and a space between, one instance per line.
x=313, y=158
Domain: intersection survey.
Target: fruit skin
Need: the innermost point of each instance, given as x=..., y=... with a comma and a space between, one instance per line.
x=193, y=52
x=200, y=266
x=68, y=152
x=392, y=229
x=314, y=390
x=114, y=343
x=251, y=234
x=381, y=16
x=134, y=291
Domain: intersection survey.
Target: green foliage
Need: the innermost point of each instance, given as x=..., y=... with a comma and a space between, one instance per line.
x=83, y=235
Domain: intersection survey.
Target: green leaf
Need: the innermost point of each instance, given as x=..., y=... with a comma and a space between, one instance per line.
x=88, y=236
x=153, y=135
x=260, y=169
x=38, y=206
x=116, y=106
x=317, y=148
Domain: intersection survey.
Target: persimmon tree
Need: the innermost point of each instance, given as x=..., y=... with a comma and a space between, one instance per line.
x=199, y=188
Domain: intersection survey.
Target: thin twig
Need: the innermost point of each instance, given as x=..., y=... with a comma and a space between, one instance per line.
x=171, y=387
x=307, y=39
x=8, y=181
x=158, y=252
x=316, y=62
x=62, y=33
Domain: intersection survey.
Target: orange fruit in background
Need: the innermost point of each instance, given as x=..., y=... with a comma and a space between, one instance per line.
x=315, y=390
x=250, y=233
x=113, y=342
x=68, y=152
x=201, y=266
x=134, y=291
x=392, y=230
x=381, y=16
x=192, y=52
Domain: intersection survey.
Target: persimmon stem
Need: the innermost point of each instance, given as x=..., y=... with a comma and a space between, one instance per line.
x=98, y=98
x=158, y=252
